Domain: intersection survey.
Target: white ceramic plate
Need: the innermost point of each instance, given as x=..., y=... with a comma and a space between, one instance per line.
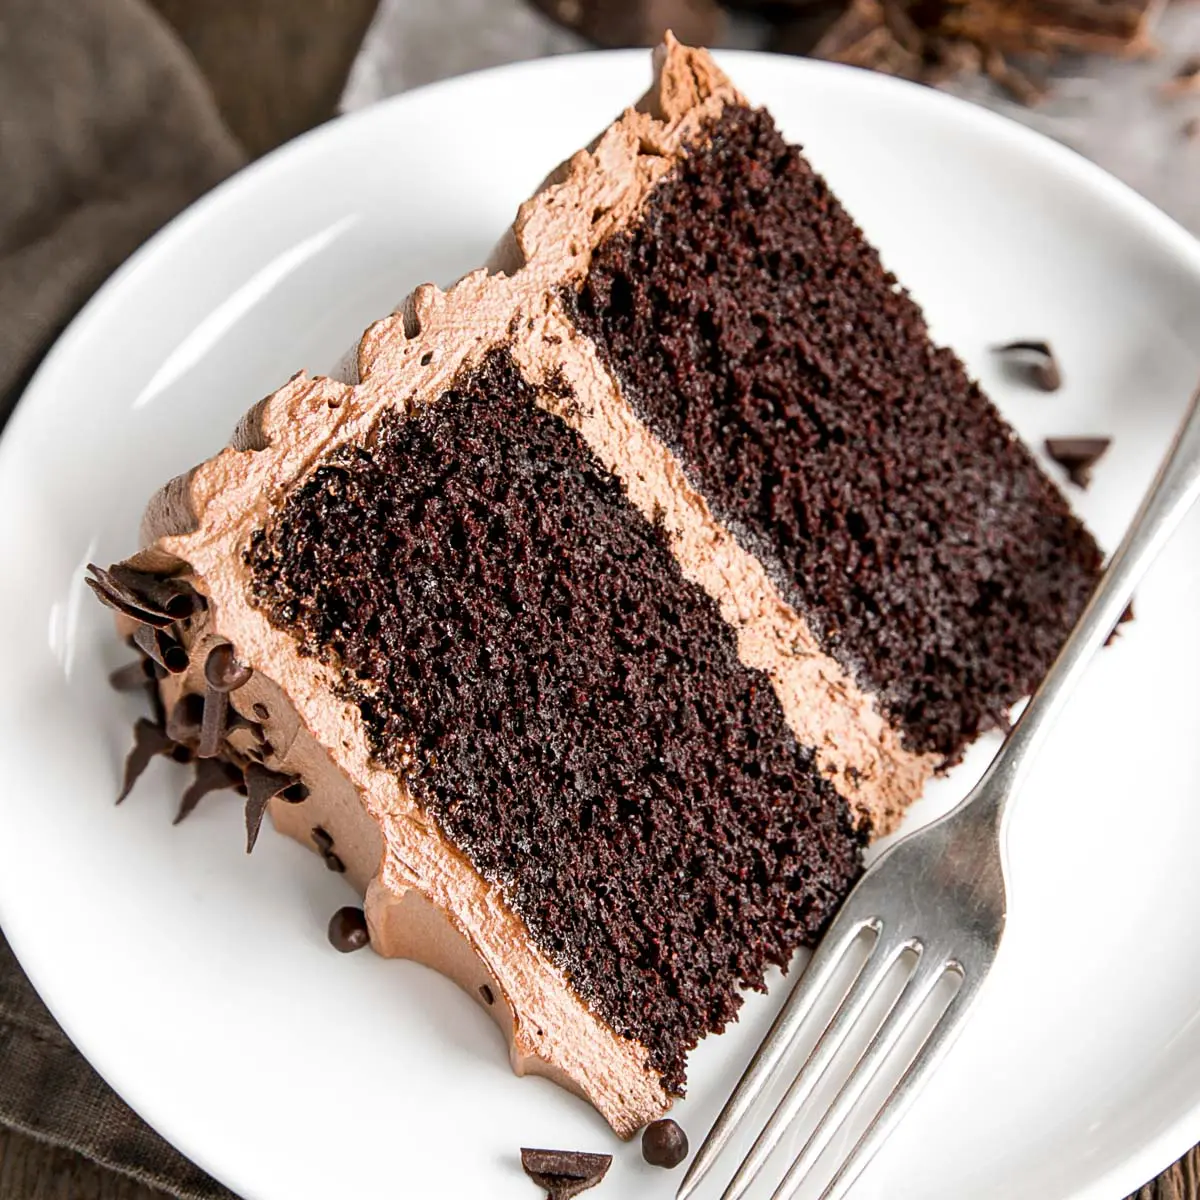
x=200, y=982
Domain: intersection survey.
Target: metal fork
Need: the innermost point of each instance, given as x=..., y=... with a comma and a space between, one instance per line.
x=937, y=895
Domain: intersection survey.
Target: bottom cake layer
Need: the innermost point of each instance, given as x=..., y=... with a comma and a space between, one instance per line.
x=568, y=708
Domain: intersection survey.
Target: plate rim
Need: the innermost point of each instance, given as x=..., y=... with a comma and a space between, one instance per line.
x=1176, y=1136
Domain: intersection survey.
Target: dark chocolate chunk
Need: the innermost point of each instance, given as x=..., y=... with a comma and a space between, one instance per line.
x=638, y=22
x=133, y=676
x=162, y=648
x=334, y=863
x=564, y=1173
x=1038, y=363
x=348, y=930
x=262, y=786
x=223, y=672
x=1079, y=455
x=489, y=997
x=149, y=740
x=322, y=839
x=212, y=775
x=664, y=1144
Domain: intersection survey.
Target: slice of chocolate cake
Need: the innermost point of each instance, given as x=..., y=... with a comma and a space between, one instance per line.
x=614, y=598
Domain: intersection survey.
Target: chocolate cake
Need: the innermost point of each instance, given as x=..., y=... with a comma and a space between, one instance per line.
x=609, y=602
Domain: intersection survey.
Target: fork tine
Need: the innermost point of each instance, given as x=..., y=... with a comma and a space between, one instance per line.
x=918, y=989
x=940, y=1040
x=832, y=1039
x=770, y=1054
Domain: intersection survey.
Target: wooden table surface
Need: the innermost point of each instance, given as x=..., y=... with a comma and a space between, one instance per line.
x=276, y=68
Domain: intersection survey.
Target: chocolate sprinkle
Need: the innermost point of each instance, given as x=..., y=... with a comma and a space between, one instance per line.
x=348, y=930
x=212, y=775
x=262, y=786
x=564, y=1173
x=664, y=1144
x=1037, y=359
x=1079, y=455
x=148, y=741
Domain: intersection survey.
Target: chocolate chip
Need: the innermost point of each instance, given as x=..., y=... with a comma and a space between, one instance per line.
x=149, y=740
x=223, y=672
x=322, y=839
x=564, y=1173
x=212, y=775
x=1037, y=361
x=334, y=863
x=664, y=1144
x=133, y=676
x=348, y=930
x=262, y=786
x=1079, y=455
x=489, y=997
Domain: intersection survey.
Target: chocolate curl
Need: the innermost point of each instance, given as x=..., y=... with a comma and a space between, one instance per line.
x=149, y=740
x=162, y=648
x=146, y=598
x=222, y=675
x=564, y=1173
x=262, y=786
x=212, y=775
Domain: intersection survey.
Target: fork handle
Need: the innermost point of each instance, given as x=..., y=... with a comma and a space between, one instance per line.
x=1175, y=489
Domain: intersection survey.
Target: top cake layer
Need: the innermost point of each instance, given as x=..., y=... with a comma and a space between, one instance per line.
x=621, y=591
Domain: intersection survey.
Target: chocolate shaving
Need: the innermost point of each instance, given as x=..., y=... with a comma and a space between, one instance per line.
x=1038, y=361
x=322, y=839
x=144, y=597
x=132, y=676
x=564, y=1173
x=162, y=648
x=1078, y=455
x=212, y=728
x=149, y=740
x=334, y=863
x=262, y=786
x=212, y=775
